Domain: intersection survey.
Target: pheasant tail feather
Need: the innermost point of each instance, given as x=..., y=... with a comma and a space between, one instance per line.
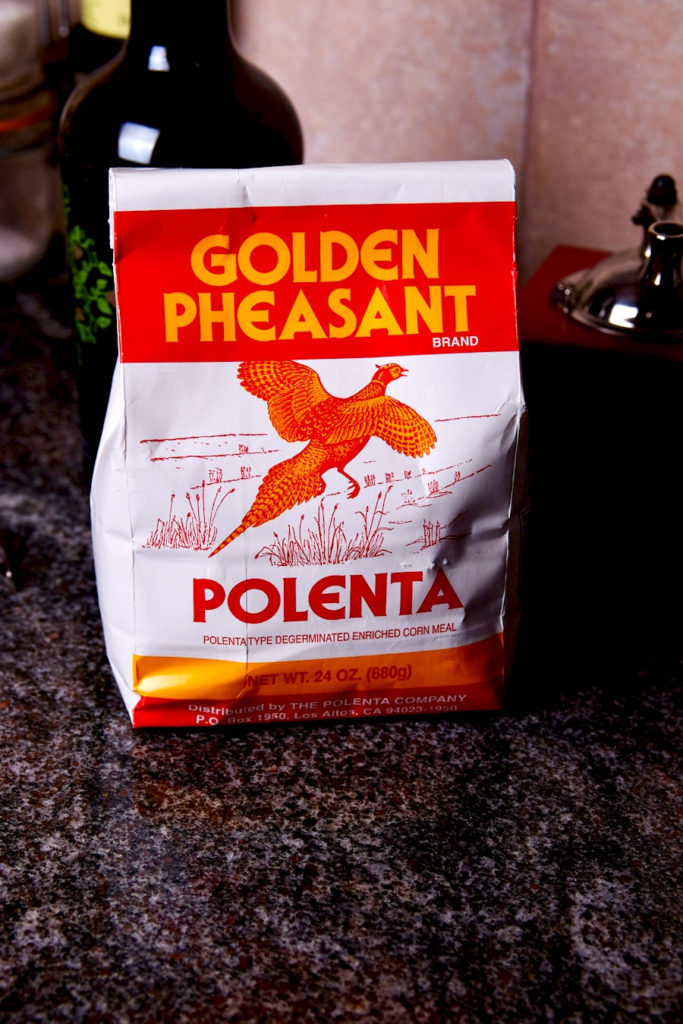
x=285, y=485
x=230, y=538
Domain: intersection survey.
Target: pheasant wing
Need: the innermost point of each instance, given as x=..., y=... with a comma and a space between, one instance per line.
x=401, y=427
x=291, y=391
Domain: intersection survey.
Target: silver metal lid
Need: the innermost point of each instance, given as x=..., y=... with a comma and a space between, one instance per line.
x=640, y=291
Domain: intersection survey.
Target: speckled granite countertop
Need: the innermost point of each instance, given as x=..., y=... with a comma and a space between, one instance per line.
x=508, y=868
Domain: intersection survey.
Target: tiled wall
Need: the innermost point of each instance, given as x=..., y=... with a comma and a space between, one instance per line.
x=584, y=96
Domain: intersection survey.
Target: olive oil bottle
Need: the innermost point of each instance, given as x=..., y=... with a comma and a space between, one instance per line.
x=179, y=95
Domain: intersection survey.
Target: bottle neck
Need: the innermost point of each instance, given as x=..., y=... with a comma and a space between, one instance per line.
x=173, y=34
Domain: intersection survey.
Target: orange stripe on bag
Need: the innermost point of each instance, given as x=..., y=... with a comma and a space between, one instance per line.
x=213, y=679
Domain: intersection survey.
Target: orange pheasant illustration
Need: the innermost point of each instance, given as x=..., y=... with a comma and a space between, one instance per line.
x=336, y=430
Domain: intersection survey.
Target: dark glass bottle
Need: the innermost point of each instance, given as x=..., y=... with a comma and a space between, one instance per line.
x=179, y=95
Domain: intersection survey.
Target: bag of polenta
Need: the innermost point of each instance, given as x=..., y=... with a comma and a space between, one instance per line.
x=304, y=504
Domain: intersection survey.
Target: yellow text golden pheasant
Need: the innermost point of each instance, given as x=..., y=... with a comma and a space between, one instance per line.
x=336, y=430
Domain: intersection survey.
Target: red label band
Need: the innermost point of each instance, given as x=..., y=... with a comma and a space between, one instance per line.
x=315, y=282
x=484, y=696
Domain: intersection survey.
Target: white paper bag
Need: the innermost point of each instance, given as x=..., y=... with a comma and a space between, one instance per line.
x=304, y=501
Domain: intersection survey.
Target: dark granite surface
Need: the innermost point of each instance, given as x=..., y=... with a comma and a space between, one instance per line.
x=509, y=868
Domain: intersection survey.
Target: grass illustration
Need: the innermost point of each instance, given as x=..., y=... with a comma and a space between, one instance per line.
x=434, y=533
x=196, y=529
x=326, y=542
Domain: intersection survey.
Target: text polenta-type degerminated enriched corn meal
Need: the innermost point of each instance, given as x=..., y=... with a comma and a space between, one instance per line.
x=305, y=498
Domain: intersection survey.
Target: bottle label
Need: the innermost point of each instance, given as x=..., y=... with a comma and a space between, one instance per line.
x=106, y=17
x=92, y=282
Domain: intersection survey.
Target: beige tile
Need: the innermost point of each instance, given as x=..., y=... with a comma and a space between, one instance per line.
x=582, y=96
x=397, y=80
x=604, y=120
